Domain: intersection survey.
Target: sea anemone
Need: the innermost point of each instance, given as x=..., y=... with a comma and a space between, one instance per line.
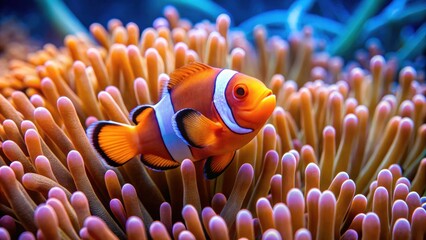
x=342, y=156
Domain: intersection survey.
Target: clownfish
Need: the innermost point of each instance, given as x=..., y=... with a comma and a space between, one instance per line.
x=204, y=113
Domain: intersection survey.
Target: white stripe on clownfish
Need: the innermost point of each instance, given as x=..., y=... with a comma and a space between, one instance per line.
x=164, y=112
x=221, y=104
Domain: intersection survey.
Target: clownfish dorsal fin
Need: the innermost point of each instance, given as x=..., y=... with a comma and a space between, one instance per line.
x=194, y=128
x=216, y=165
x=181, y=74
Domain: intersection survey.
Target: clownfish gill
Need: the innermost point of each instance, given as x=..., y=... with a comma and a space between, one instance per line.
x=204, y=113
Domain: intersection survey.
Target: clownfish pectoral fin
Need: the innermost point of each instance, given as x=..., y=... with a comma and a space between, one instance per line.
x=194, y=128
x=135, y=114
x=115, y=142
x=158, y=163
x=215, y=165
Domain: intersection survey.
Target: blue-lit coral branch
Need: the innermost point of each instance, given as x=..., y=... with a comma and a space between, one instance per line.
x=296, y=11
x=344, y=42
x=414, y=45
x=61, y=17
x=333, y=9
x=395, y=16
x=208, y=9
x=276, y=19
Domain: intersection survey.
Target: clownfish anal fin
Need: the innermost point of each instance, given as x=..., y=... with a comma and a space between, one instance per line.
x=158, y=163
x=216, y=165
x=136, y=113
x=194, y=128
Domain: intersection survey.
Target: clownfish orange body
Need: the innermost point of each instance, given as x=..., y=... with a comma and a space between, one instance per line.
x=205, y=113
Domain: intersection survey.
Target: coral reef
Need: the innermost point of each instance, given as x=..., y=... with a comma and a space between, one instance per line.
x=343, y=155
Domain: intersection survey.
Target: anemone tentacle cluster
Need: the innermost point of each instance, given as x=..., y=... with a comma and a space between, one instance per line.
x=342, y=156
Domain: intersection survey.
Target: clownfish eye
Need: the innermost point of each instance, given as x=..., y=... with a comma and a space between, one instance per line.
x=240, y=91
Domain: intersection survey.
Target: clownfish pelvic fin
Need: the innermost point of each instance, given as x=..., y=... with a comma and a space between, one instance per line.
x=216, y=165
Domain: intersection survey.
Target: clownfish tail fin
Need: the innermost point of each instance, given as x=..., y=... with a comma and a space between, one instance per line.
x=116, y=143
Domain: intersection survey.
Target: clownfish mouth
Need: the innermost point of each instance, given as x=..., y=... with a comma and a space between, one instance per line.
x=267, y=96
x=264, y=106
x=260, y=110
x=268, y=93
x=269, y=100
x=258, y=113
